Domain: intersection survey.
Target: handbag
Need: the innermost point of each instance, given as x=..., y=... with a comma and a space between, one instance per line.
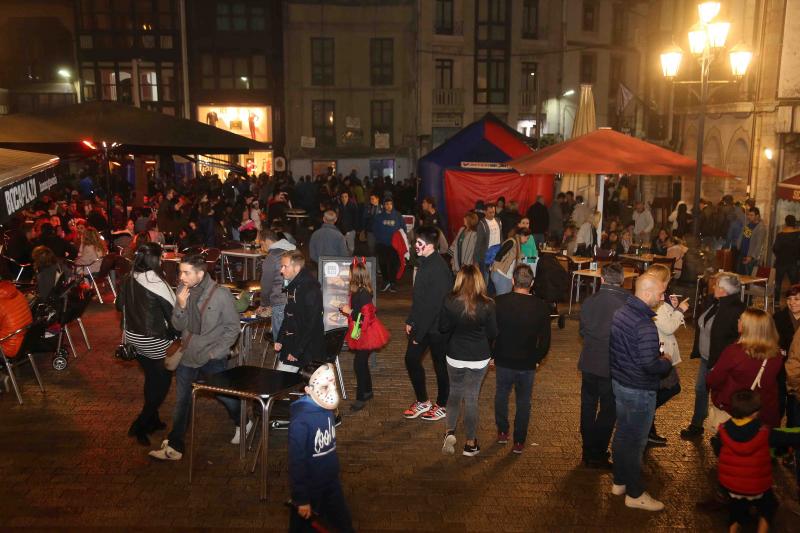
x=718, y=416
x=355, y=332
x=173, y=359
x=125, y=351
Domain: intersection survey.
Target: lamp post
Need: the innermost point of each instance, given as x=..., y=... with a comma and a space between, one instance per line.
x=706, y=42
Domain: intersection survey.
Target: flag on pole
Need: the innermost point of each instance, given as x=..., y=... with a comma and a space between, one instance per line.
x=624, y=97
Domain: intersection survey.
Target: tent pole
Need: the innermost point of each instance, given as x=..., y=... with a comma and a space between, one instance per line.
x=601, y=197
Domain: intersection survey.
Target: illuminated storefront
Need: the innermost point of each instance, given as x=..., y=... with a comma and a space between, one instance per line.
x=253, y=122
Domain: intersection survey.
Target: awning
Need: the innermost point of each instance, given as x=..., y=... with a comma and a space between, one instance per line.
x=23, y=177
x=790, y=189
x=606, y=151
x=139, y=131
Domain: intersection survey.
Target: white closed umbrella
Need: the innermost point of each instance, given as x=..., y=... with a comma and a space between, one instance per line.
x=585, y=122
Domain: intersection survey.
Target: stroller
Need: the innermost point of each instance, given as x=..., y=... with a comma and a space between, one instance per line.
x=551, y=284
x=67, y=302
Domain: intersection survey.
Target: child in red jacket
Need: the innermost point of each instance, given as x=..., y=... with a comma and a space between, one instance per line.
x=745, y=464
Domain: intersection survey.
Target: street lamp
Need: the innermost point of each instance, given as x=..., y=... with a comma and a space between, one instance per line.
x=64, y=73
x=246, y=81
x=706, y=42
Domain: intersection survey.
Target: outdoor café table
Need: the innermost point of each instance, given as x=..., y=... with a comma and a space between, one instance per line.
x=242, y=253
x=644, y=259
x=594, y=274
x=744, y=281
x=262, y=385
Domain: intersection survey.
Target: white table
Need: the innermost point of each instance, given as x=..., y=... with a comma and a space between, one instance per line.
x=246, y=255
x=595, y=274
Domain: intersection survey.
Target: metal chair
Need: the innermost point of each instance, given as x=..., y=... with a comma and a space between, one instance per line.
x=11, y=264
x=106, y=266
x=334, y=342
x=760, y=291
x=32, y=332
x=249, y=334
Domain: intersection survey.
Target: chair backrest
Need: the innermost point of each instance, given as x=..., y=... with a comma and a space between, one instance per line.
x=123, y=266
x=212, y=255
x=334, y=342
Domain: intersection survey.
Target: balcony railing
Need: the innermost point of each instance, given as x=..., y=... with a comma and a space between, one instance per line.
x=456, y=29
x=450, y=98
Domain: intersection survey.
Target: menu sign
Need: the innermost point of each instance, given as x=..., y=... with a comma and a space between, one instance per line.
x=334, y=277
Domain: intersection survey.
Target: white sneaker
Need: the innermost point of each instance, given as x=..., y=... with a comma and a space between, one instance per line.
x=449, y=446
x=166, y=453
x=238, y=434
x=617, y=490
x=644, y=502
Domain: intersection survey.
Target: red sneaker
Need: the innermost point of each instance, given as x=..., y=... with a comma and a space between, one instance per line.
x=502, y=438
x=518, y=448
x=416, y=409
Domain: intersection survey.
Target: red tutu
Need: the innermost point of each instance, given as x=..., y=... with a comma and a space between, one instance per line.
x=374, y=334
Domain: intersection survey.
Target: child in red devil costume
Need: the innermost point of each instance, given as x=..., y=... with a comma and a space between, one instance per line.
x=365, y=333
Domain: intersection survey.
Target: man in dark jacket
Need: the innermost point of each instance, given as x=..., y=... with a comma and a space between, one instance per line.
x=716, y=328
x=347, y=219
x=302, y=335
x=787, y=254
x=539, y=217
x=523, y=339
x=432, y=284
x=384, y=225
x=60, y=247
x=598, y=412
x=637, y=367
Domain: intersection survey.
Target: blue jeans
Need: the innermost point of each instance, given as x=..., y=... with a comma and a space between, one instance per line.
x=184, y=377
x=635, y=411
x=502, y=285
x=522, y=382
x=277, y=320
x=700, y=395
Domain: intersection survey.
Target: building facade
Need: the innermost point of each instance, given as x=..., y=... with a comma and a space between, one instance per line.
x=524, y=61
x=37, y=55
x=351, y=87
x=235, y=51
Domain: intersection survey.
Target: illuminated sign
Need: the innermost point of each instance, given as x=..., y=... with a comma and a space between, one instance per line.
x=253, y=122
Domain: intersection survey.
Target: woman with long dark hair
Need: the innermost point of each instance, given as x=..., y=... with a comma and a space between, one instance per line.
x=468, y=316
x=146, y=301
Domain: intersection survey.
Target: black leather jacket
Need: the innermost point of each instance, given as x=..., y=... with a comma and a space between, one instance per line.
x=145, y=312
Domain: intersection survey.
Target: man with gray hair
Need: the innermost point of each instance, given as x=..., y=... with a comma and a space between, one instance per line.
x=715, y=330
x=598, y=412
x=327, y=240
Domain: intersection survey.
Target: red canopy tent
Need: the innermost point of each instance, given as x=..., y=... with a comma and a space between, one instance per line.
x=606, y=151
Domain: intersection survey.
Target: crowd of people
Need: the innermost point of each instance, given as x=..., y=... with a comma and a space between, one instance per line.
x=474, y=307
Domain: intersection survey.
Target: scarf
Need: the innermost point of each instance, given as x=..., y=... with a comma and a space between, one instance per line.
x=193, y=305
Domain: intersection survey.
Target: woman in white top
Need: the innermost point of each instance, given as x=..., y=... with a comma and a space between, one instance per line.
x=669, y=317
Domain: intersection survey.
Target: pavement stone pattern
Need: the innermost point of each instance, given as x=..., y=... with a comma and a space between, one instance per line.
x=68, y=464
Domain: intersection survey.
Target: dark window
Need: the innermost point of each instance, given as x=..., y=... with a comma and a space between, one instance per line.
x=322, y=62
x=528, y=76
x=381, y=61
x=491, y=74
x=492, y=17
x=589, y=20
x=443, y=22
x=223, y=16
x=618, y=25
x=615, y=75
x=323, y=124
x=588, y=63
x=382, y=115
x=224, y=72
x=530, y=19
x=444, y=74
x=240, y=16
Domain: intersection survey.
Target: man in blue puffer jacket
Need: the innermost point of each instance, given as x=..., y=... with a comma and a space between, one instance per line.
x=313, y=463
x=637, y=366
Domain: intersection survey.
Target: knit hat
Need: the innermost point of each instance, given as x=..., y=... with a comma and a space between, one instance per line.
x=322, y=387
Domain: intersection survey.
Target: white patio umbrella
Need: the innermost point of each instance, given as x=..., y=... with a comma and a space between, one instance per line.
x=585, y=122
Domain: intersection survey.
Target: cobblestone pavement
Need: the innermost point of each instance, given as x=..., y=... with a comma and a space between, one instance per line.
x=67, y=463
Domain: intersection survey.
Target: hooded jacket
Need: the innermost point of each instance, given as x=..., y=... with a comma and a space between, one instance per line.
x=15, y=315
x=385, y=224
x=313, y=462
x=635, y=359
x=745, y=465
x=271, y=280
x=302, y=333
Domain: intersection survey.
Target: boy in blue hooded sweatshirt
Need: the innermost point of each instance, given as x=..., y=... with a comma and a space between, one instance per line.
x=313, y=463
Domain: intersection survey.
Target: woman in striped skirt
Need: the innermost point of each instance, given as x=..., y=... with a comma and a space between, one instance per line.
x=146, y=301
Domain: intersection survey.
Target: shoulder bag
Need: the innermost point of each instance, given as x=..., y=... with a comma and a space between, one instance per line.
x=172, y=360
x=125, y=351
